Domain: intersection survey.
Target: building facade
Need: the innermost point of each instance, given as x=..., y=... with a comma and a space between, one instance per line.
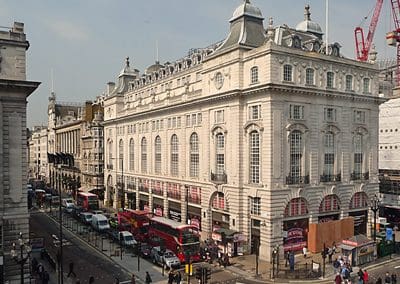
x=38, y=167
x=14, y=90
x=75, y=146
x=254, y=137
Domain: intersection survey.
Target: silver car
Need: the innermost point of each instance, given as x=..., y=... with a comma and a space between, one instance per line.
x=167, y=257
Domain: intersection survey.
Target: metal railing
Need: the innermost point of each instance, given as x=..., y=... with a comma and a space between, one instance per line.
x=298, y=179
x=219, y=178
x=330, y=178
x=359, y=176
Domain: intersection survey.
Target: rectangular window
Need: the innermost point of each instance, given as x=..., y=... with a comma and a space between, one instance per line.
x=349, y=83
x=310, y=76
x=255, y=206
x=330, y=76
x=199, y=118
x=296, y=112
x=161, y=124
x=169, y=122
x=329, y=114
x=287, y=73
x=219, y=116
x=174, y=122
x=366, y=85
x=187, y=120
x=359, y=116
x=178, y=121
x=194, y=118
x=255, y=112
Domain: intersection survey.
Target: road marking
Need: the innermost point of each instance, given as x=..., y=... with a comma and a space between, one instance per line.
x=396, y=267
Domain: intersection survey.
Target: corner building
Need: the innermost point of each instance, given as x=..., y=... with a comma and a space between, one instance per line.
x=256, y=137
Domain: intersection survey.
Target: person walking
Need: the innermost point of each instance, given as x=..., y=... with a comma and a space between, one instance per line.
x=394, y=278
x=366, y=277
x=71, y=269
x=116, y=280
x=46, y=277
x=388, y=279
x=287, y=258
x=170, y=277
x=338, y=278
x=148, y=278
x=91, y=280
x=305, y=252
x=133, y=279
x=360, y=276
x=178, y=277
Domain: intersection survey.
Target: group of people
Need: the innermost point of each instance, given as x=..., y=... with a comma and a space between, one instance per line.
x=389, y=279
x=174, y=277
x=38, y=269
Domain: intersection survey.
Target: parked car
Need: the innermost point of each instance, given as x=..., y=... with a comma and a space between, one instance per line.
x=167, y=257
x=95, y=212
x=86, y=217
x=100, y=223
x=67, y=204
x=125, y=237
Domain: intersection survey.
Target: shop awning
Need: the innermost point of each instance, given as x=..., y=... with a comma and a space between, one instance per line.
x=227, y=232
x=346, y=247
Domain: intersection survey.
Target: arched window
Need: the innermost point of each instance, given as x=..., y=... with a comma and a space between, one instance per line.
x=143, y=146
x=157, y=155
x=359, y=200
x=296, y=153
x=131, y=155
x=329, y=156
x=296, y=207
x=287, y=73
x=349, y=83
x=254, y=75
x=174, y=155
x=358, y=156
x=254, y=176
x=220, y=154
x=194, y=155
x=329, y=203
x=310, y=76
x=121, y=155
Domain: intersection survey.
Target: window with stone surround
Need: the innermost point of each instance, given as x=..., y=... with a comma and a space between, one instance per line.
x=330, y=79
x=358, y=154
x=287, y=73
x=194, y=155
x=254, y=175
x=220, y=154
x=254, y=112
x=174, y=155
x=157, y=155
x=329, y=203
x=349, y=83
x=329, y=156
x=255, y=205
x=143, y=149
x=131, y=155
x=121, y=155
x=366, y=85
x=296, y=207
x=296, y=154
x=254, y=75
x=310, y=76
x=296, y=112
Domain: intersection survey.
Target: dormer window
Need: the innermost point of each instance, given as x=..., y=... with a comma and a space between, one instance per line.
x=254, y=75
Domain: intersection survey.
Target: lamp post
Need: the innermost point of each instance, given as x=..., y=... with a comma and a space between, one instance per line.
x=25, y=251
x=375, y=207
x=61, y=272
x=257, y=249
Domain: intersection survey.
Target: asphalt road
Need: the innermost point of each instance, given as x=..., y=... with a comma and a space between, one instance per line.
x=87, y=261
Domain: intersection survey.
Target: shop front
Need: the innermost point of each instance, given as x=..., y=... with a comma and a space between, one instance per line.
x=328, y=217
x=158, y=206
x=174, y=211
x=131, y=198
x=219, y=221
x=229, y=241
x=295, y=234
x=194, y=216
x=144, y=202
x=360, y=222
x=358, y=250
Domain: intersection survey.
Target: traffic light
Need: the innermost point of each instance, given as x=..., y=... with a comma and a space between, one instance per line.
x=207, y=272
x=198, y=273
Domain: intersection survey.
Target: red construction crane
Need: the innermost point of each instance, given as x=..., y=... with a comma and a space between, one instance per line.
x=393, y=38
x=362, y=47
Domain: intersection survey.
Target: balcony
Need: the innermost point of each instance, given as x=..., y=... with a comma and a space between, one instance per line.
x=330, y=178
x=110, y=167
x=219, y=178
x=359, y=176
x=298, y=179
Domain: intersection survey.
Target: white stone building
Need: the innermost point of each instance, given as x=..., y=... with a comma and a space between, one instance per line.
x=255, y=136
x=38, y=167
x=14, y=90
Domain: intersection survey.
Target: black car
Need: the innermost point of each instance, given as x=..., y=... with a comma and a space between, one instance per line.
x=76, y=212
x=145, y=250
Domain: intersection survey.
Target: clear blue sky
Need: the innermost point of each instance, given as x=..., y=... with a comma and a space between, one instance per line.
x=85, y=42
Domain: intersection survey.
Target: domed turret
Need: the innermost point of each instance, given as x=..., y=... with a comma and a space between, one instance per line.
x=154, y=68
x=246, y=27
x=309, y=26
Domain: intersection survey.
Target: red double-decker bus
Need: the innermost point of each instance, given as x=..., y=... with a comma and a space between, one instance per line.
x=88, y=201
x=139, y=221
x=183, y=240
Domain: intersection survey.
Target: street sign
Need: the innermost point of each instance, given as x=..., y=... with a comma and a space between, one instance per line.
x=389, y=234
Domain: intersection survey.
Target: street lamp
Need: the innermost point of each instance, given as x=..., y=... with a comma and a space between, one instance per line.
x=375, y=207
x=25, y=251
x=60, y=259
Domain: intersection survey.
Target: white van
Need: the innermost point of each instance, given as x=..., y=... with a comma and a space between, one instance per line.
x=100, y=222
x=127, y=238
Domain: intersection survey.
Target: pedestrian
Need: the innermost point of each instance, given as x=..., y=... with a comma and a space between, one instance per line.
x=91, y=280
x=394, y=278
x=338, y=279
x=378, y=281
x=116, y=280
x=330, y=254
x=40, y=270
x=133, y=279
x=366, y=277
x=34, y=264
x=46, y=277
x=388, y=279
x=291, y=261
x=305, y=252
x=148, y=278
x=178, y=277
x=287, y=258
x=71, y=269
x=170, y=277
x=360, y=276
